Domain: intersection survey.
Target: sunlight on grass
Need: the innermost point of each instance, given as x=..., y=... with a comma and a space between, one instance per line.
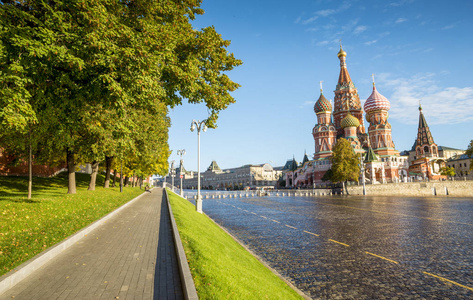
x=28, y=227
x=222, y=268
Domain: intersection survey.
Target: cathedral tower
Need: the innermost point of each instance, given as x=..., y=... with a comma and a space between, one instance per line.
x=379, y=130
x=346, y=98
x=324, y=131
x=424, y=145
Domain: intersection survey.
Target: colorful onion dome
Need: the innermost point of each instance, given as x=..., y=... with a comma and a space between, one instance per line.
x=376, y=101
x=349, y=121
x=322, y=104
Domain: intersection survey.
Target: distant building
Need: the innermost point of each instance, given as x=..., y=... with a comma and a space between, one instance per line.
x=245, y=177
x=462, y=165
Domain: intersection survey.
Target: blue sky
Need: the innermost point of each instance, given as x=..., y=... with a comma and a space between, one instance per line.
x=418, y=51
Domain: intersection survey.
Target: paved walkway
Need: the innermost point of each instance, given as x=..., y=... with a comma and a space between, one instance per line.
x=131, y=256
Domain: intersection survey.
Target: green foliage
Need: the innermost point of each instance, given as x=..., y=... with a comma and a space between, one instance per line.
x=344, y=162
x=28, y=227
x=96, y=78
x=222, y=268
x=328, y=175
x=469, y=152
x=447, y=171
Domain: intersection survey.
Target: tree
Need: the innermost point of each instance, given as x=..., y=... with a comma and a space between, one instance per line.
x=327, y=175
x=344, y=163
x=469, y=152
x=447, y=171
x=109, y=58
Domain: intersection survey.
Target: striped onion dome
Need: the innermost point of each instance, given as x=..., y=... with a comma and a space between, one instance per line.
x=376, y=101
x=349, y=121
x=322, y=104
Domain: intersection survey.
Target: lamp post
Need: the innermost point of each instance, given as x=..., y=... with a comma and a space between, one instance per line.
x=200, y=125
x=181, y=153
x=362, y=169
x=173, y=174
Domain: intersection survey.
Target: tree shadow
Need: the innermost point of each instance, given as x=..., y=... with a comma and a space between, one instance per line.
x=15, y=188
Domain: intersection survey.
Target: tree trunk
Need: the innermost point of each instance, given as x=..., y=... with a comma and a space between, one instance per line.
x=126, y=181
x=141, y=182
x=71, y=170
x=108, y=167
x=93, y=176
x=345, y=187
x=30, y=169
x=114, y=177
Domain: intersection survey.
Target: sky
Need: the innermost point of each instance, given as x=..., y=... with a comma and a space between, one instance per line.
x=418, y=50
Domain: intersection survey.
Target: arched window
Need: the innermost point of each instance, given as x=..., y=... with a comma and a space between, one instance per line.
x=426, y=149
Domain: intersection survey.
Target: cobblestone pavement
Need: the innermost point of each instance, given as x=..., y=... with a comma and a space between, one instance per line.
x=359, y=247
x=131, y=256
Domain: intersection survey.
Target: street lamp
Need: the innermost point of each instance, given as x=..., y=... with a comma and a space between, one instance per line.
x=199, y=125
x=181, y=153
x=173, y=174
x=362, y=169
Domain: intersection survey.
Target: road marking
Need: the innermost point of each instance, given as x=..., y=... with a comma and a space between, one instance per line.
x=245, y=210
x=263, y=217
x=254, y=214
x=311, y=233
x=275, y=221
x=339, y=243
x=393, y=261
x=290, y=226
x=447, y=280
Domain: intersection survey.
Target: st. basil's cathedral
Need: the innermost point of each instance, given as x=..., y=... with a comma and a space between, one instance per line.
x=382, y=162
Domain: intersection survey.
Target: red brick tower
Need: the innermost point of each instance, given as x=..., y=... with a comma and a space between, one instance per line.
x=324, y=131
x=379, y=130
x=346, y=98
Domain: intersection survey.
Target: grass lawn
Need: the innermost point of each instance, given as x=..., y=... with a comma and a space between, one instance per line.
x=222, y=268
x=27, y=227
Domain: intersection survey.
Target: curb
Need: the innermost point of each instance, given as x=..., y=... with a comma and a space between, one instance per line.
x=16, y=275
x=188, y=286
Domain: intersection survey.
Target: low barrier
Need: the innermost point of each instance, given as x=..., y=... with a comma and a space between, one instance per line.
x=206, y=194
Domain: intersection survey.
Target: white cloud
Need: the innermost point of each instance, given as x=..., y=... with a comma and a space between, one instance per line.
x=449, y=26
x=326, y=12
x=322, y=43
x=310, y=20
x=369, y=43
x=400, y=20
x=400, y=3
x=441, y=105
x=359, y=29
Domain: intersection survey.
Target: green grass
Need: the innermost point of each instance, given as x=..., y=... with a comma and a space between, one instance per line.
x=222, y=268
x=28, y=227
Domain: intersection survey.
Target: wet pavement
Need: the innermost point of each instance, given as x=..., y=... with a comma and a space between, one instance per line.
x=359, y=247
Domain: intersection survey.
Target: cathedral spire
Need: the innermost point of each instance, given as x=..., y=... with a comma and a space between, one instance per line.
x=424, y=136
x=344, y=76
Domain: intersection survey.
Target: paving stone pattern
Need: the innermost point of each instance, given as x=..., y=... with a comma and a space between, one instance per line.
x=359, y=247
x=131, y=256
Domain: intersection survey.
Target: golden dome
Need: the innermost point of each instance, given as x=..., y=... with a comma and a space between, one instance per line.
x=341, y=52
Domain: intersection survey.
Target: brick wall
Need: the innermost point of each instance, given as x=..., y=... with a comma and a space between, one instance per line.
x=8, y=168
